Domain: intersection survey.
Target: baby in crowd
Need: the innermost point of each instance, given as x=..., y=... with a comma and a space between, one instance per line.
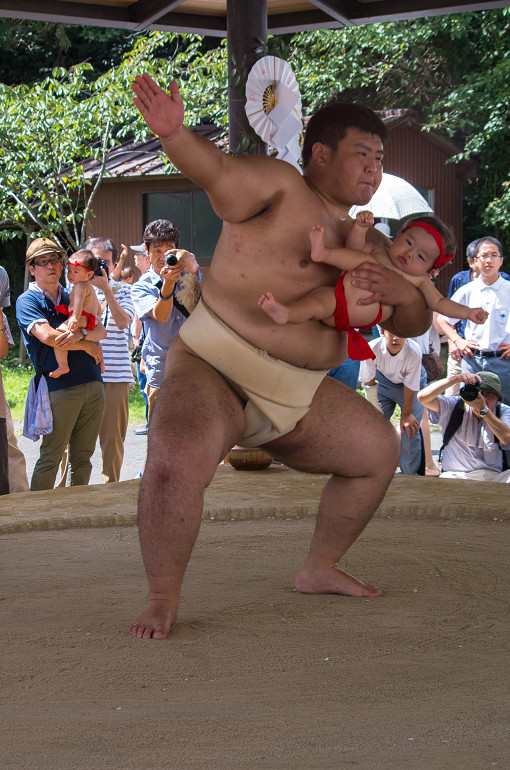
x=419, y=250
x=84, y=308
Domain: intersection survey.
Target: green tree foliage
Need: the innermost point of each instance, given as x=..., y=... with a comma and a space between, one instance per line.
x=30, y=50
x=52, y=131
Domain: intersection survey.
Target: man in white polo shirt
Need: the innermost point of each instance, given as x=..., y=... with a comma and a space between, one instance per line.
x=486, y=346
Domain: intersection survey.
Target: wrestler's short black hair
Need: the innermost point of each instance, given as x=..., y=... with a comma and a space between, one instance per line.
x=102, y=244
x=331, y=121
x=161, y=230
x=86, y=258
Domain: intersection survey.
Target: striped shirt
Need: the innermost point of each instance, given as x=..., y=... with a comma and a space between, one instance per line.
x=115, y=346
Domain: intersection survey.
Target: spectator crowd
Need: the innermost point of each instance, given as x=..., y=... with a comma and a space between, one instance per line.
x=138, y=314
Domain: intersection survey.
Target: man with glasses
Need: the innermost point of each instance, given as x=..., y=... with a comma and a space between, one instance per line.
x=479, y=446
x=77, y=397
x=486, y=346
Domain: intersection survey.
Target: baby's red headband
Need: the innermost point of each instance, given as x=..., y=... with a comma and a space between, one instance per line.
x=443, y=258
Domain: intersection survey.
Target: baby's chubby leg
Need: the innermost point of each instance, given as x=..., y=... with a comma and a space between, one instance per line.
x=319, y=304
x=274, y=309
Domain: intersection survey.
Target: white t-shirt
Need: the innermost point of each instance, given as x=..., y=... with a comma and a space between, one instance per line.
x=404, y=367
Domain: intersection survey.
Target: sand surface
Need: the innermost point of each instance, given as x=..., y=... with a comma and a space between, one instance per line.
x=256, y=675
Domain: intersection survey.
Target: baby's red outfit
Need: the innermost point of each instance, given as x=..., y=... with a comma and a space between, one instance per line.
x=358, y=348
x=64, y=310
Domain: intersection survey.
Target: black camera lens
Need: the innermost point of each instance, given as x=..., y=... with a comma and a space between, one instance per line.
x=102, y=264
x=469, y=392
x=171, y=260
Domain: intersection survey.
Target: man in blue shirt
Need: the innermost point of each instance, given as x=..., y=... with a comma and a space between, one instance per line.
x=153, y=299
x=76, y=398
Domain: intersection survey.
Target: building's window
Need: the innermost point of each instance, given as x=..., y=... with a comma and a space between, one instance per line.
x=191, y=212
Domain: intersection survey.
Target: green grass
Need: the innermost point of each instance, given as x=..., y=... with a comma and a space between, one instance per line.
x=16, y=377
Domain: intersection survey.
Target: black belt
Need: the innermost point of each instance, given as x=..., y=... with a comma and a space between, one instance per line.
x=489, y=353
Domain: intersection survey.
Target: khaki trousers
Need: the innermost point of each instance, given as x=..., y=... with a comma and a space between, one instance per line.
x=77, y=414
x=17, y=469
x=152, y=394
x=112, y=432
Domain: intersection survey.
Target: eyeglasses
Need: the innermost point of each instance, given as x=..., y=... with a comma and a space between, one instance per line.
x=492, y=255
x=49, y=261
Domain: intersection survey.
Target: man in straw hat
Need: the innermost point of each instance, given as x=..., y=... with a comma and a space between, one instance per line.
x=476, y=443
x=76, y=398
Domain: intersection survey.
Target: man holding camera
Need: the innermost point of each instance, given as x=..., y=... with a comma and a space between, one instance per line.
x=476, y=426
x=154, y=298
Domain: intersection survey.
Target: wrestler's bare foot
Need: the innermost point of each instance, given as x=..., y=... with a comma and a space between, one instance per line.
x=317, y=242
x=60, y=371
x=333, y=581
x=274, y=309
x=155, y=620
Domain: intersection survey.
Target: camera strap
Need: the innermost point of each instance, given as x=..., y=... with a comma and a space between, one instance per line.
x=177, y=305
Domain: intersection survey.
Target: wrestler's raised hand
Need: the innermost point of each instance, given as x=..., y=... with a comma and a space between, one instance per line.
x=163, y=112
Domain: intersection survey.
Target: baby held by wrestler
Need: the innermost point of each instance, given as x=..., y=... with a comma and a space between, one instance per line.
x=418, y=252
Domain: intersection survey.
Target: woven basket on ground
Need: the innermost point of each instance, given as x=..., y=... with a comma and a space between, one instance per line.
x=249, y=459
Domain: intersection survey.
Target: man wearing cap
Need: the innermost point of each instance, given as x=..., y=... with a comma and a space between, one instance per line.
x=479, y=449
x=76, y=398
x=486, y=346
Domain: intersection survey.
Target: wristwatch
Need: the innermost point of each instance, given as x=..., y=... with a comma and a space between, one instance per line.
x=84, y=332
x=483, y=411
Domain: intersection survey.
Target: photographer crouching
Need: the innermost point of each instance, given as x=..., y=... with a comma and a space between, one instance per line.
x=476, y=427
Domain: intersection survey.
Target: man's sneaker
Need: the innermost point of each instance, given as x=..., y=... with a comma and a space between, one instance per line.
x=141, y=431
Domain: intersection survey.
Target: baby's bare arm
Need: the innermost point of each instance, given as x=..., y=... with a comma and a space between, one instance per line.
x=77, y=298
x=357, y=237
x=349, y=259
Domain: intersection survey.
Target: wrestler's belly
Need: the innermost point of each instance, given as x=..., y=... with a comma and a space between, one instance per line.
x=311, y=345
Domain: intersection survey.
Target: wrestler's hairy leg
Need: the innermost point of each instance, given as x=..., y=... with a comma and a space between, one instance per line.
x=344, y=435
x=197, y=418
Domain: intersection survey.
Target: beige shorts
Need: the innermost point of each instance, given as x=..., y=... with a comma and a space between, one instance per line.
x=279, y=394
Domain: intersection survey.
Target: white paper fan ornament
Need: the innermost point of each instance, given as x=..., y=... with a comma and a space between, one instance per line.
x=273, y=106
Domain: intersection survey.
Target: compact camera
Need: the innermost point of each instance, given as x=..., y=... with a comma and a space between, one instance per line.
x=171, y=260
x=469, y=392
x=102, y=264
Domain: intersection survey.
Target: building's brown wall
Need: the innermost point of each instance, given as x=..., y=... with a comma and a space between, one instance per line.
x=118, y=208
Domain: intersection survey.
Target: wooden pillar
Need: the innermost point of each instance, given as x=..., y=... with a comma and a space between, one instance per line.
x=246, y=26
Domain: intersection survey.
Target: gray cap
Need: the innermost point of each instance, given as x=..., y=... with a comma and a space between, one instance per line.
x=491, y=381
x=139, y=248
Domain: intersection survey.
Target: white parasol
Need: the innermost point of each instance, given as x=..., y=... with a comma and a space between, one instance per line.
x=273, y=106
x=394, y=199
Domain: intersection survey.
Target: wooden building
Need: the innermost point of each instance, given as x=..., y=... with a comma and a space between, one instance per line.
x=140, y=186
